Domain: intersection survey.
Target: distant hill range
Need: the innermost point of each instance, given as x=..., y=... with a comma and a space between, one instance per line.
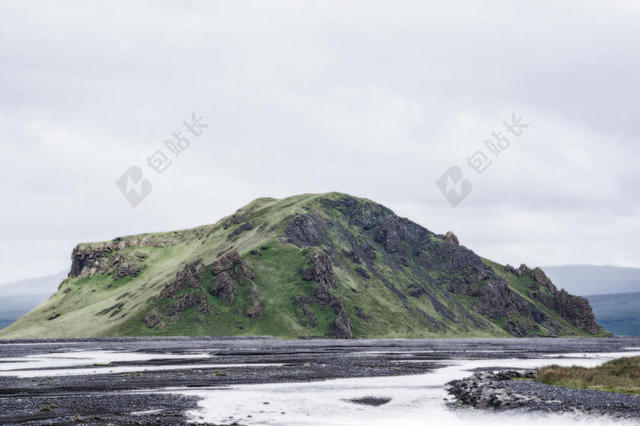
x=613, y=292
x=19, y=297
x=618, y=313
x=586, y=280
x=312, y=265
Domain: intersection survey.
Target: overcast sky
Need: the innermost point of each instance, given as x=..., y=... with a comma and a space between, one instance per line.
x=375, y=99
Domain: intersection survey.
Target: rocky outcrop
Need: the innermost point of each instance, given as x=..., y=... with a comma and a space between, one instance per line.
x=363, y=273
x=484, y=389
x=89, y=260
x=574, y=309
x=153, y=318
x=321, y=272
x=184, y=292
x=230, y=274
x=121, y=267
x=256, y=302
x=343, y=329
x=187, y=278
x=306, y=316
x=105, y=258
x=451, y=237
x=247, y=226
x=503, y=390
x=302, y=231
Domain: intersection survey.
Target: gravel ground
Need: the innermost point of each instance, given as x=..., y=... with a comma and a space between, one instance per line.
x=129, y=398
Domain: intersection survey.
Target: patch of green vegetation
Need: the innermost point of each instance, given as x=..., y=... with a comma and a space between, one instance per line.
x=620, y=375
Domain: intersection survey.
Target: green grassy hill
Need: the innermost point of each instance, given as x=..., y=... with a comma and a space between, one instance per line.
x=323, y=265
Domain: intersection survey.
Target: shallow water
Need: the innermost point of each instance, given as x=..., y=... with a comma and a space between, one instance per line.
x=67, y=363
x=415, y=399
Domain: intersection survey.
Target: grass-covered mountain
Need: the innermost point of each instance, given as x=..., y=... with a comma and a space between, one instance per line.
x=327, y=265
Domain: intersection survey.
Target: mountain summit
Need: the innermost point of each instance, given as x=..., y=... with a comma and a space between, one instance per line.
x=312, y=265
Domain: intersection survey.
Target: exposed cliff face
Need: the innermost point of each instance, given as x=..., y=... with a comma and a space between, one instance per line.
x=326, y=265
x=320, y=271
x=574, y=309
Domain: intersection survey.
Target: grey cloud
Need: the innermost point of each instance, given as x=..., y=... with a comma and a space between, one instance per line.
x=318, y=96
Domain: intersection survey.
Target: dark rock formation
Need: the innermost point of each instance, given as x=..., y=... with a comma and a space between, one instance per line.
x=321, y=272
x=185, y=292
x=106, y=258
x=122, y=268
x=343, y=328
x=353, y=256
x=451, y=237
x=363, y=273
x=483, y=389
x=231, y=273
x=153, y=318
x=302, y=231
x=416, y=290
x=306, y=317
x=574, y=309
x=374, y=401
x=187, y=278
x=240, y=229
x=500, y=390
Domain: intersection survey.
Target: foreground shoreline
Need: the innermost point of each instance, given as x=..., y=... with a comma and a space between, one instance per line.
x=122, y=392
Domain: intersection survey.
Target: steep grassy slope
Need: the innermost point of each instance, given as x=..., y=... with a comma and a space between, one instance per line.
x=306, y=266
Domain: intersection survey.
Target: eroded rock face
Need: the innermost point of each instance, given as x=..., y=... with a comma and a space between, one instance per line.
x=575, y=309
x=87, y=260
x=302, y=231
x=342, y=326
x=307, y=317
x=106, y=258
x=321, y=272
x=230, y=274
x=466, y=274
x=153, y=318
x=223, y=285
x=247, y=226
x=185, y=292
x=451, y=237
x=187, y=278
